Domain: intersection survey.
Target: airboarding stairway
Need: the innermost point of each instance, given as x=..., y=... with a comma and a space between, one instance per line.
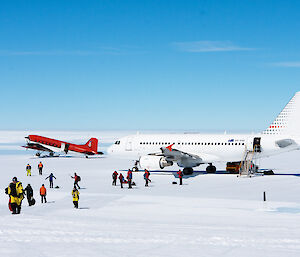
x=247, y=166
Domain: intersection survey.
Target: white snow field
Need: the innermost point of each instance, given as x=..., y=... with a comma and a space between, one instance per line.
x=210, y=215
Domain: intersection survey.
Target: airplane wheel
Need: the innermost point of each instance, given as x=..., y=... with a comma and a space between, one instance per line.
x=211, y=169
x=51, y=154
x=188, y=171
x=86, y=156
x=38, y=154
x=135, y=169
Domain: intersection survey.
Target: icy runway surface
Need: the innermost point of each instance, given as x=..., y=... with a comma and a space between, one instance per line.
x=210, y=215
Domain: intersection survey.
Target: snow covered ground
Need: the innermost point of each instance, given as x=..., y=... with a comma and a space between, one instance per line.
x=210, y=215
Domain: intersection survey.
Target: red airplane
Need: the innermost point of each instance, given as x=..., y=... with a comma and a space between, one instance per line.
x=45, y=144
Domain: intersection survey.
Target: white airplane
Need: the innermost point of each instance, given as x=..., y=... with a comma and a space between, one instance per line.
x=157, y=151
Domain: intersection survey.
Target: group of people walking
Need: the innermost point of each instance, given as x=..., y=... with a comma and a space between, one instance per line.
x=17, y=193
x=129, y=178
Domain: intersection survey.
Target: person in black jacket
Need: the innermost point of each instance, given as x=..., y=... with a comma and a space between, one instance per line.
x=114, y=177
x=50, y=177
x=29, y=194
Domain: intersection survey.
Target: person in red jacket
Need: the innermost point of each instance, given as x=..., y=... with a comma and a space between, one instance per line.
x=146, y=177
x=121, y=178
x=129, y=178
x=180, y=175
x=43, y=193
x=114, y=176
x=76, y=180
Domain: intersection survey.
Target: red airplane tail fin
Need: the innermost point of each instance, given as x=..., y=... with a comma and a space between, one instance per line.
x=92, y=144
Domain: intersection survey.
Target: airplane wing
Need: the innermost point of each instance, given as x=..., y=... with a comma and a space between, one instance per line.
x=175, y=155
x=182, y=158
x=37, y=147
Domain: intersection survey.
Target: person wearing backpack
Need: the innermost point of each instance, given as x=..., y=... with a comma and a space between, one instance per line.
x=114, y=177
x=29, y=195
x=76, y=180
x=16, y=195
x=146, y=177
x=129, y=178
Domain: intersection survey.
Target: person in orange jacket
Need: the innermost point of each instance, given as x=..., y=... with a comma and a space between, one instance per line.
x=180, y=175
x=40, y=167
x=43, y=193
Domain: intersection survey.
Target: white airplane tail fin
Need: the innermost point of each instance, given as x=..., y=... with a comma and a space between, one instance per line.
x=288, y=120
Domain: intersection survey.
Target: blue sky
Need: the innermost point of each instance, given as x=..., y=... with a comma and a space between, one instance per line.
x=186, y=65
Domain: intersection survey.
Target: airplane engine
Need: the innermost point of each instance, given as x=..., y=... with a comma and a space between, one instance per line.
x=151, y=162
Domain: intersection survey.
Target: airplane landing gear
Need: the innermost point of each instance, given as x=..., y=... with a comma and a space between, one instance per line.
x=86, y=157
x=188, y=171
x=38, y=154
x=51, y=154
x=211, y=169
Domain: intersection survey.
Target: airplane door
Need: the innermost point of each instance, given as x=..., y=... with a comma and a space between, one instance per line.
x=256, y=144
x=128, y=146
x=253, y=143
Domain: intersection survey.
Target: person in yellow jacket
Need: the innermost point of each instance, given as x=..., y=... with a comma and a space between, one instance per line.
x=75, y=194
x=28, y=169
x=16, y=195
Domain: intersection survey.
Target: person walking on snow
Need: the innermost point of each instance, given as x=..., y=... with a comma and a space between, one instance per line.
x=50, y=177
x=180, y=175
x=16, y=195
x=29, y=194
x=114, y=177
x=76, y=180
x=129, y=178
x=43, y=193
x=75, y=194
x=28, y=169
x=121, y=178
x=40, y=167
x=146, y=177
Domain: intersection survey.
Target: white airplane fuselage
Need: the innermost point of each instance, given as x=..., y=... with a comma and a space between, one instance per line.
x=212, y=148
x=192, y=150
